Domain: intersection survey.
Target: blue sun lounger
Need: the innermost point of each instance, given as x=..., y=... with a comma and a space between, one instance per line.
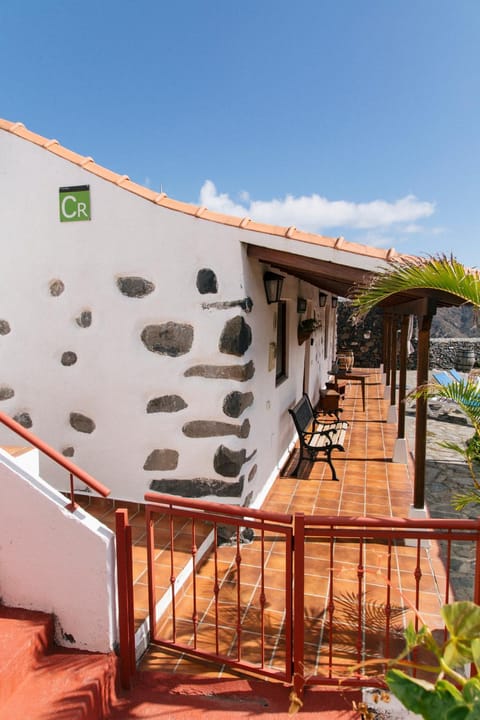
x=447, y=377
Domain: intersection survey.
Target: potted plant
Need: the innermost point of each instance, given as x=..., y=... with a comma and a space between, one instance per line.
x=452, y=664
x=306, y=328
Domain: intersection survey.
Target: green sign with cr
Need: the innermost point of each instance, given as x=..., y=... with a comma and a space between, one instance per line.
x=74, y=203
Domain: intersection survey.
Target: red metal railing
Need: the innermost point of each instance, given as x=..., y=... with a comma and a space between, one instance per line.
x=126, y=615
x=308, y=600
x=57, y=457
x=227, y=613
x=373, y=575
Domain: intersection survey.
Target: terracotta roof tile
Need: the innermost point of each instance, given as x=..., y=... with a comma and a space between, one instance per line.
x=123, y=181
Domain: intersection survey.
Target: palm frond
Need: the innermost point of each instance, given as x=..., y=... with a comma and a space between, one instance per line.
x=463, y=393
x=461, y=500
x=409, y=273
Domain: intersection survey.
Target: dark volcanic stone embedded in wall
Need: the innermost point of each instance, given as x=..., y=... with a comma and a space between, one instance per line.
x=252, y=473
x=56, y=288
x=6, y=392
x=229, y=534
x=161, y=459
x=236, y=337
x=229, y=462
x=23, y=419
x=4, y=327
x=69, y=358
x=198, y=487
x=236, y=403
x=68, y=451
x=246, y=503
x=223, y=372
x=169, y=338
x=81, y=422
x=212, y=428
x=84, y=320
x=166, y=403
x=206, y=281
x=135, y=287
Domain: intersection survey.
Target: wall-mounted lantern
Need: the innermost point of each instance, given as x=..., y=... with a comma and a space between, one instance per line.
x=322, y=299
x=334, y=302
x=301, y=305
x=273, y=286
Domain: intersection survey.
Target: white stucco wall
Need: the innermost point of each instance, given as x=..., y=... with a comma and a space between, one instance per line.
x=56, y=561
x=115, y=375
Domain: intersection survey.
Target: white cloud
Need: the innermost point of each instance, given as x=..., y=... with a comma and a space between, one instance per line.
x=316, y=213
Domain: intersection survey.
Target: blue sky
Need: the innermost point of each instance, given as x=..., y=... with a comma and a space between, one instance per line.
x=358, y=118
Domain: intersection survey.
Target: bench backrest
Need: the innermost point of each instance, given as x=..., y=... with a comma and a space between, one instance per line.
x=302, y=414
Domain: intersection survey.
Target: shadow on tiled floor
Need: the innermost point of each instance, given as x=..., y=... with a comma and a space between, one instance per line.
x=369, y=485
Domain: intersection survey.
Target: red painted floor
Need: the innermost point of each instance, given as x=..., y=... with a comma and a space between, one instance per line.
x=164, y=696
x=39, y=681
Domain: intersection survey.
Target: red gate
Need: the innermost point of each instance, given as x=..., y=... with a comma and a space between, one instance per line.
x=304, y=600
x=231, y=603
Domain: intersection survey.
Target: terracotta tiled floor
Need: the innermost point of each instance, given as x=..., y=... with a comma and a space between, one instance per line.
x=369, y=485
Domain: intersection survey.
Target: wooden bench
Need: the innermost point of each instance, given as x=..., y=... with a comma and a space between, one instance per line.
x=316, y=438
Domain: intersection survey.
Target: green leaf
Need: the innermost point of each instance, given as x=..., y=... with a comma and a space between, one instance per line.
x=476, y=653
x=433, y=702
x=409, y=274
x=457, y=713
x=462, y=620
x=471, y=691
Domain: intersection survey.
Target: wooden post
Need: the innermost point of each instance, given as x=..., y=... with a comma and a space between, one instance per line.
x=387, y=325
x=393, y=360
x=402, y=390
x=424, y=325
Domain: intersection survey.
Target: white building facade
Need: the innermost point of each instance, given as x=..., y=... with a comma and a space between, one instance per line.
x=135, y=334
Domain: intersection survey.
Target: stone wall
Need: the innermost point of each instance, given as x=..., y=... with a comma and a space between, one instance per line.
x=448, y=352
x=365, y=341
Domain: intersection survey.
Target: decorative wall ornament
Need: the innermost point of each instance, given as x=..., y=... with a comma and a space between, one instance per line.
x=24, y=419
x=306, y=328
x=206, y=281
x=236, y=337
x=198, y=487
x=246, y=304
x=56, y=288
x=223, y=372
x=166, y=404
x=170, y=338
x=212, y=428
x=161, y=459
x=69, y=358
x=84, y=320
x=6, y=392
x=236, y=403
x=82, y=423
x=135, y=287
x=229, y=462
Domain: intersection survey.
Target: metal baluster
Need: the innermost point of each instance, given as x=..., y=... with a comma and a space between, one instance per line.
x=194, y=586
x=172, y=577
x=360, y=576
x=238, y=562
x=216, y=586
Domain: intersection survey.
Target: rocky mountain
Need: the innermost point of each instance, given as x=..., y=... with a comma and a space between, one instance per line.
x=454, y=322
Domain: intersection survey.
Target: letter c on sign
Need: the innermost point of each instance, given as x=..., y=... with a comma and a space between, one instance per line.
x=64, y=206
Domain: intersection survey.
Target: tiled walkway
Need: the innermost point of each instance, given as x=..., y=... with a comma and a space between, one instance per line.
x=369, y=485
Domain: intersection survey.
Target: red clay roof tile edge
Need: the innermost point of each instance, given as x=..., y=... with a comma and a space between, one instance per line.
x=201, y=213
